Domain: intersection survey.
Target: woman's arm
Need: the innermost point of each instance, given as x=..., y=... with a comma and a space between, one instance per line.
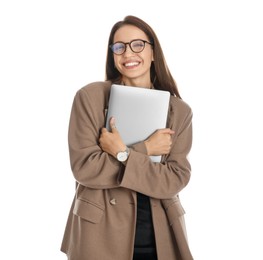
x=91, y=166
x=166, y=179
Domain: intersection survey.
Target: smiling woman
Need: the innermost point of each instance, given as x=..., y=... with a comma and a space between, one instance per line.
x=50, y=48
x=132, y=62
x=122, y=196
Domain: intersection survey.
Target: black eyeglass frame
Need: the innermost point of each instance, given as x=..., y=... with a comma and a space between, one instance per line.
x=129, y=43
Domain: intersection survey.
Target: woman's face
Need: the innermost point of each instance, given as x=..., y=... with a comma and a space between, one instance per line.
x=134, y=67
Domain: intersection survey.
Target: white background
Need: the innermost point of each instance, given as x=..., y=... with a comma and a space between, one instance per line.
x=50, y=49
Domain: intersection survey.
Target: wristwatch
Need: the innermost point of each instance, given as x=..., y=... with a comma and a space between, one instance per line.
x=123, y=156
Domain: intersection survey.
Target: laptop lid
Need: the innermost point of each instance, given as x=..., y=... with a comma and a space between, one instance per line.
x=139, y=112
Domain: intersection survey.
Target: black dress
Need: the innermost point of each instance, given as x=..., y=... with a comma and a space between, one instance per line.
x=144, y=245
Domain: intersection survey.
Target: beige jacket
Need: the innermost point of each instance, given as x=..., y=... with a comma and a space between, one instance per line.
x=102, y=219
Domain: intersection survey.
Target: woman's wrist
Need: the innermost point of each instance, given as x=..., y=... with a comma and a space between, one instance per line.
x=147, y=145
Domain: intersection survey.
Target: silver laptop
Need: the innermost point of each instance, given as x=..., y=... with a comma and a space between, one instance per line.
x=138, y=112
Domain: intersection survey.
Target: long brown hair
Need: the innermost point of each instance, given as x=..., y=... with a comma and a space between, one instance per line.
x=160, y=73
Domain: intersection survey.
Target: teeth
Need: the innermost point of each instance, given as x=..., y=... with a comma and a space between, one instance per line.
x=131, y=64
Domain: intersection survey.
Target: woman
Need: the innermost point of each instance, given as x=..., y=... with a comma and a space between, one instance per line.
x=128, y=208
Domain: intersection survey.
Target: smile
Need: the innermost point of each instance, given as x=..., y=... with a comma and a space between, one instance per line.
x=131, y=64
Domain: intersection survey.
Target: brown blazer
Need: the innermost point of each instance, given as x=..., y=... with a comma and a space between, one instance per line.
x=101, y=222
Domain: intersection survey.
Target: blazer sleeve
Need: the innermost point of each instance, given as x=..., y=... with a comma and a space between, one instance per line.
x=91, y=166
x=166, y=179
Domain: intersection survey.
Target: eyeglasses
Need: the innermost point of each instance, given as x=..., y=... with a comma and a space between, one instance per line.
x=135, y=45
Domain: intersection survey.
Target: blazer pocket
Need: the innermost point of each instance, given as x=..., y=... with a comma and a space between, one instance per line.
x=173, y=209
x=88, y=211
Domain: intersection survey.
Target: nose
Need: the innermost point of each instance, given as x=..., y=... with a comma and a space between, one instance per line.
x=128, y=49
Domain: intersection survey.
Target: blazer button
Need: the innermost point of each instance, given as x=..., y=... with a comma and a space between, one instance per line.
x=113, y=201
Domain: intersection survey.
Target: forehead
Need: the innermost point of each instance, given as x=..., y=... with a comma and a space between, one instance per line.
x=129, y=32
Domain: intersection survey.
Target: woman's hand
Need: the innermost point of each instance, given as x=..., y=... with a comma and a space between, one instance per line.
x=159, y=142
x=111, y=142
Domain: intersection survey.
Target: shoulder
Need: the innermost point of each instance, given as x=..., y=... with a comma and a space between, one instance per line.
x=180, y=114
x=95, y=94
x=95, y=91
x=97, y=87
x=180, y=105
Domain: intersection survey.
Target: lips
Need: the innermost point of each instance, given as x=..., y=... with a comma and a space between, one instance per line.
x=131, y=64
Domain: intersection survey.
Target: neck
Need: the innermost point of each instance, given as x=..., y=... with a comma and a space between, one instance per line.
x=137, y=83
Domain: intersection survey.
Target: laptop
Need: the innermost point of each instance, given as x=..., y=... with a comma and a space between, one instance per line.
x=139, y=112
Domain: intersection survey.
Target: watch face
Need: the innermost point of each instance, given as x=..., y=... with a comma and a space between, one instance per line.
x=122, y=156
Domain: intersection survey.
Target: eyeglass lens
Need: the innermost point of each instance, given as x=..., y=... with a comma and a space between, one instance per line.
x=120, y=47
